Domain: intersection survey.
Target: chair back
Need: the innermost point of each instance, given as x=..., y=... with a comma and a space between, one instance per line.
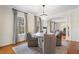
x=49, y=44
x=29, y=37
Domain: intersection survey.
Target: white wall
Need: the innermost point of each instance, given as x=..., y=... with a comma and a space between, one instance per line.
x=48, y=26
x=6, y=25
x=75, y=25
x=31, y=22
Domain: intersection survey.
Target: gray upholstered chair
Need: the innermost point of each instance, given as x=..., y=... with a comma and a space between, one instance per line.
x=49, y=44
x=58, y=39
x=32, y=42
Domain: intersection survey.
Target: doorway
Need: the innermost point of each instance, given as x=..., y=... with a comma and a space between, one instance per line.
x=63, y=25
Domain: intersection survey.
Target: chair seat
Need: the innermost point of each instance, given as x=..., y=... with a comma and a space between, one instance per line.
x=33, y=43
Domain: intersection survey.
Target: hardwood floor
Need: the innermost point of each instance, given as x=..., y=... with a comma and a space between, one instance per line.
x=73, y=48
x=8, y=49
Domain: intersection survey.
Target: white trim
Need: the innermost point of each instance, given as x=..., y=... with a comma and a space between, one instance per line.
x=75, y=40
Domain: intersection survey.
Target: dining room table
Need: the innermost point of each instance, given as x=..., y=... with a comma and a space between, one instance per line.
x=40, y=37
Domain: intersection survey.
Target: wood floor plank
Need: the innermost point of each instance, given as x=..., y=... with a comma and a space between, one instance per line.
x=8, y=49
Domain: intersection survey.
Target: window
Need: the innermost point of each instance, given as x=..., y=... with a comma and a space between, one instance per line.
x=20, y=25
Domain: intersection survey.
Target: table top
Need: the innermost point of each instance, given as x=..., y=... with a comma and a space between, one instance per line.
x=37, y=35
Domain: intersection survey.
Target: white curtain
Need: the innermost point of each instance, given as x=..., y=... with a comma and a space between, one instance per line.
x=14, y=26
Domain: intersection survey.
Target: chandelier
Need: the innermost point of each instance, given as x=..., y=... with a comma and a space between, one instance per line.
x=43, y=15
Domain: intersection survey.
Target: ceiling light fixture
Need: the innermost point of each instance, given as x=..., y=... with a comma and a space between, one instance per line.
x=43, y=15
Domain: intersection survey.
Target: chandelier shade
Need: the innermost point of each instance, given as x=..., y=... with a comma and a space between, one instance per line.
x=43, y=15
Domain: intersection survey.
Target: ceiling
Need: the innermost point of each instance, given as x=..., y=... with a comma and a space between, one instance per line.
x=50, y=10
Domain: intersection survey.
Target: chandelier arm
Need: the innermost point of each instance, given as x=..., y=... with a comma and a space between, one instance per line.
x=43, y=9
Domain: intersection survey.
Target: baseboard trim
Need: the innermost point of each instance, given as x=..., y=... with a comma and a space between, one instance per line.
x=12, y=44
x=5, y=45
x=75, y=40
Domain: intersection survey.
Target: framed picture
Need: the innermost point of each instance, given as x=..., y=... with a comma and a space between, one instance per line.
x=44, y=27
x=38, y=24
